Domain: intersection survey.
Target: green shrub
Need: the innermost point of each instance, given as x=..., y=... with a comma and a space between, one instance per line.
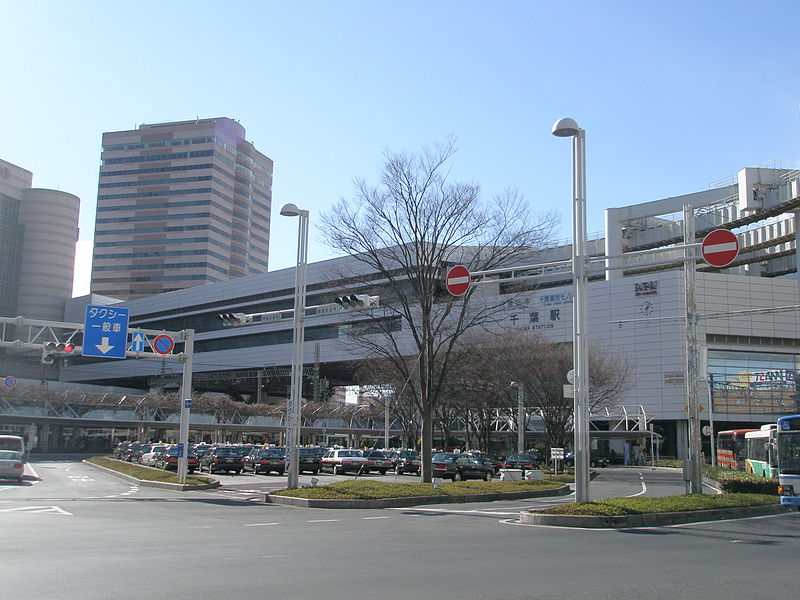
x=145, y=473
x=731, y=481
x=688, y=502
x=360, y=489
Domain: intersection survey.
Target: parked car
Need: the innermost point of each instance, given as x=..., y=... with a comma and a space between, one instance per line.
x=132, y=452
x=595, y=460
x=342, y=460
x=460, y=466
x=538, y=456
x=520, y=461
x=11, y=465
x=265, y=460
x=489, y=459
x=119, y=450
x=309, y=460
x=151, y=458
x=405, y=461
x=222, y=458
x=201, y=449
x=169, y=460
x=376, y=460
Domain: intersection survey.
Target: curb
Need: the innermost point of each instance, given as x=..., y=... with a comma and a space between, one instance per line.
x=155, y=484
x=650, y=519
x=414, y=500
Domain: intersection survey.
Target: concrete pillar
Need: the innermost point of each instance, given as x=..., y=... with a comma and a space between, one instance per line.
x=613, y=242
x=682, y=438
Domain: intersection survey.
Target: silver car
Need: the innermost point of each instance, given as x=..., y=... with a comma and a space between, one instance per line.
x=11, y=465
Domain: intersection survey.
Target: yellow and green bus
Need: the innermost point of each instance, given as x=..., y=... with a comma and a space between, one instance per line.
x=761, y=450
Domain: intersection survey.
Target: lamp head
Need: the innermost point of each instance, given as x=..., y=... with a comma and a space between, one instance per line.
x=566, y=127
x=290, y=210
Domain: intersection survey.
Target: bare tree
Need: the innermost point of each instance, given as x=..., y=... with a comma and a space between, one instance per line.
x=409, y=228
x=541, y=366
x=380, y=379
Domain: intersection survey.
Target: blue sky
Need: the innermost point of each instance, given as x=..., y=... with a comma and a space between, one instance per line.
x=673, y=96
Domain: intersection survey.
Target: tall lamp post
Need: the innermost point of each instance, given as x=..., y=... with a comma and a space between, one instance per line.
x=520, y=416
x=298, y=338
x=567, y=127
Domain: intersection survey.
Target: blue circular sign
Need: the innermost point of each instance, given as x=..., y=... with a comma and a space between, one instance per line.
x=163, y=344
x=9, y=382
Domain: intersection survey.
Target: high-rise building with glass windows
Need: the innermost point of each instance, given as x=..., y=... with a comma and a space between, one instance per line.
x=179, y=205
x=38, y=231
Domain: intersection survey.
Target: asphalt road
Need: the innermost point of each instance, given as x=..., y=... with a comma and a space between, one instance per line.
x=79, y=533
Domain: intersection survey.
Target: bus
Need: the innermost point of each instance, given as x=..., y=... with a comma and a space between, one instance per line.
x=789, y=460
x=762, y=451
x=731, y=448
x=12, y=442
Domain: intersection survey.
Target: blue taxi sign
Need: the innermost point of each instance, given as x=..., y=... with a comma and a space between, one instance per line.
x=105, y=333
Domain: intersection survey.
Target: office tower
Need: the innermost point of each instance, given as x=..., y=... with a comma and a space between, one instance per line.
x=38, y=231
x=179, y=205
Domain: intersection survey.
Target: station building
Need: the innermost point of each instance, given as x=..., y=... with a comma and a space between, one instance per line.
x=747, y=315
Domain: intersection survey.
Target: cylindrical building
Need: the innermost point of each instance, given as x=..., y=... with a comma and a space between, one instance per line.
x=49, y=224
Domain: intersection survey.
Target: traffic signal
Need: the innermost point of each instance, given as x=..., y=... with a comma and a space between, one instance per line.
x=54, y=350
x=357, y=301
x=234, y=319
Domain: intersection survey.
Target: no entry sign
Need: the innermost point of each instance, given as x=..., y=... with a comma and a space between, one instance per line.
x=457, y=280
x=720, y=248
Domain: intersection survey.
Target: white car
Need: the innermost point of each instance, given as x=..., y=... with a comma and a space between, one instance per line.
x=342, y=461
x=11, y=465
x=150, y=458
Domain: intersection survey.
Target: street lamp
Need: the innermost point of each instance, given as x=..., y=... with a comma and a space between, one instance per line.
x=567, y=127
x=520, y=416
x=298, y=338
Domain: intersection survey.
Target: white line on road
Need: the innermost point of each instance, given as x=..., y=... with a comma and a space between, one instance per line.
x=373, y=518
x=446, y=511
x=323, y=521
x=644, y=488
x=32, y=470
x=259, y=524
x=38, y=509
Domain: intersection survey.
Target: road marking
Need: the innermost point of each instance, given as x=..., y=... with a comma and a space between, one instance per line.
x=259, y=524
x=373, y=518
x=447, y=511
x=323, y=521
x=32, y=470
x=644, y=488
x=38, y=509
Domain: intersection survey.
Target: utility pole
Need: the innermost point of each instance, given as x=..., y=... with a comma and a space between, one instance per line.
x=693, y=477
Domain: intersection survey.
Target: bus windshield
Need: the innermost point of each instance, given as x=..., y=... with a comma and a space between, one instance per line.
x=790, y=453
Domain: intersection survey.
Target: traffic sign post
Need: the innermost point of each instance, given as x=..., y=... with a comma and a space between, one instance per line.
x=458, y=280
x=105, y=332
x=720, y=248
x=9, y=382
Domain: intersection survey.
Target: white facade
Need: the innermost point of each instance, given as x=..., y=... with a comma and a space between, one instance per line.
x=750, y=359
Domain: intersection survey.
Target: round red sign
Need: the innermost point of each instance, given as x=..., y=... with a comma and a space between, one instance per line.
x=720, y=248
x=163, y=344
x=457, y=280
